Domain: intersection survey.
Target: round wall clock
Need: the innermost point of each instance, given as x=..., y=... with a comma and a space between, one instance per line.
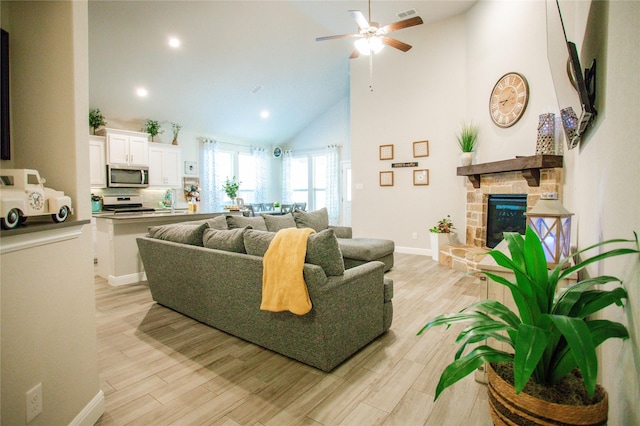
x=509, y=99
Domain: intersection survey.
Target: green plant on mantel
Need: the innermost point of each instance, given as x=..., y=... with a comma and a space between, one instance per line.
x=550, y=334
x=467, y=137
x=444, y=226
x=96, y=119
x=153, y=128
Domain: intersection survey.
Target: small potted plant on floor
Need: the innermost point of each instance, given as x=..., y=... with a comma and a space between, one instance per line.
x=467, y=139
x=153, y=128
x=551, y=335
x=96, y=119
x=439, y=236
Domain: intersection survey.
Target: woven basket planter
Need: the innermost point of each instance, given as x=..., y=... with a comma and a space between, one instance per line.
x=507, y=408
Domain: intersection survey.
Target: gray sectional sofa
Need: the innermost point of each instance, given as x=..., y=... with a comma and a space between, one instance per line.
x=215, y=276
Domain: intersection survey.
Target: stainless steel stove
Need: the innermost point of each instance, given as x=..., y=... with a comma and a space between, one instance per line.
x=124, y=204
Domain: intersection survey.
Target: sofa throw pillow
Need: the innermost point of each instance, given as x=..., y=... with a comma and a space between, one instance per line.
x=218, y=222
x=234, y=221
x=256, y=243
x=225, y=239
x=184, y=233
x=276, y=223
x=323, y=250
x=317, y=220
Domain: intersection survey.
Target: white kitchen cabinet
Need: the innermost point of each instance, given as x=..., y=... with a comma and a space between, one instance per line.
x=126, y=147
x=97, y=162
x=164, y=166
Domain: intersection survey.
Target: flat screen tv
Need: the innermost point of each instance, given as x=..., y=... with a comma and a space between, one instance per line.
x=575, y=91
x=5, y=135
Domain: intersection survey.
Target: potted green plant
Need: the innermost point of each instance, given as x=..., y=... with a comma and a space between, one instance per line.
x=551, y=335
x=439, y=236
x=153, y=128
x=96, y=119
x=467, y=138
x=175, y=129
x=231, y=187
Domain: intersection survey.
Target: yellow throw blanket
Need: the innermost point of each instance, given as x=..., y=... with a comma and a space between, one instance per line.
x=283, y=286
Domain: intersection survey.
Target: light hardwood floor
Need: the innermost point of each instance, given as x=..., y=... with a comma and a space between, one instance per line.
x=158, y=367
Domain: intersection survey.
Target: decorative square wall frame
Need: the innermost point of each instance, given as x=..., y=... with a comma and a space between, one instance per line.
x=421, y=149
x=421, y=177
x=386, y=152
x=386, y=178
x=190, y=168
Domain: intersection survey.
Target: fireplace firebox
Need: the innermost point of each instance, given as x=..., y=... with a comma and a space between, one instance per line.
x=505, y=214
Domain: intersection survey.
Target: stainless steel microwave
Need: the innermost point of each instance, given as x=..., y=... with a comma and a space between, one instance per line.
x=127, y=176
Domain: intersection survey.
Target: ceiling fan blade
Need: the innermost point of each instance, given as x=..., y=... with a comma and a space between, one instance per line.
x=395, y=43
x=362, y=22
x=411, y=22
x=354, y=54
x=333, y=37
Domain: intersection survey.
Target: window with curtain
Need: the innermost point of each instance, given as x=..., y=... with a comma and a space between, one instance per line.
x=219, y=164
x=313, y=178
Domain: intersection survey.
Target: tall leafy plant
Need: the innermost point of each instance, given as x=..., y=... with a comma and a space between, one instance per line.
x=549, y=335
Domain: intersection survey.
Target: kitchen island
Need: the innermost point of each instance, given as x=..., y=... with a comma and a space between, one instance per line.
x=118, y=260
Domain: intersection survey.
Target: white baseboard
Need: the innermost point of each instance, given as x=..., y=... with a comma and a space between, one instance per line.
x=91, y=412
x=413, y=250
x=127, y=279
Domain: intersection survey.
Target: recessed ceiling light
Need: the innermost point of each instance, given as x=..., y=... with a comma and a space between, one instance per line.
x=264, y=113
x=142, y=92
x=174, y=42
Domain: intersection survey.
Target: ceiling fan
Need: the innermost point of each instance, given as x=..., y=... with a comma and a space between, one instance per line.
x=372, y=37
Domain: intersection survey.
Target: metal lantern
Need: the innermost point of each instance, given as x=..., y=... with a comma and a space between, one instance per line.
x=552, y=223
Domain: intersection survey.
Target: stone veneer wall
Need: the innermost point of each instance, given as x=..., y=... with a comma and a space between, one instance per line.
x=504, y=183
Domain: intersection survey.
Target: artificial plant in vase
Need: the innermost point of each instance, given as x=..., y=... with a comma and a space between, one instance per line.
x=551, y=335
x=153, y=128
x=175, y=129
x=231, y=187
x=96, y=119
x=439, y=236
x=467, y=139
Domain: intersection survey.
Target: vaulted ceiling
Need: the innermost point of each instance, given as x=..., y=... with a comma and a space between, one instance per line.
x=228, y=50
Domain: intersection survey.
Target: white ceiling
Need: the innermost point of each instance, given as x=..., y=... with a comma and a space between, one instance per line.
x=229, y=47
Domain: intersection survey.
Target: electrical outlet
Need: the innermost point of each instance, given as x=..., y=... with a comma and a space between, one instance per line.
x=414, y=235
x=34, y=402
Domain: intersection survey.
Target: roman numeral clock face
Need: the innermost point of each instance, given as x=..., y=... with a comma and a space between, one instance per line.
x=509, y=99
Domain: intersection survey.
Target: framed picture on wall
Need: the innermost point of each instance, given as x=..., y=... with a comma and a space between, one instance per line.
x=386, y=152
x=421, y=177
x=386, y=178
x=421, y=149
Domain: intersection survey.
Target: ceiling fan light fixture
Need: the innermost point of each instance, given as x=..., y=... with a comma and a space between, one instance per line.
x=366, y=45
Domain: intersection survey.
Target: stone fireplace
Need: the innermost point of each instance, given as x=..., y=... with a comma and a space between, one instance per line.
x=505, y=182
x=529, y=177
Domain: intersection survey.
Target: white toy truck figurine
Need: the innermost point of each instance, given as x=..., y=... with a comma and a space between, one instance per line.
x=22, y=194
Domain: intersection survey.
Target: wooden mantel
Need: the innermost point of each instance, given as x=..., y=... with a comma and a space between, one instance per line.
x=529, y=166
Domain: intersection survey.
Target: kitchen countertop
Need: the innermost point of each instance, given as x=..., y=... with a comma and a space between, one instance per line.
x=157, y=216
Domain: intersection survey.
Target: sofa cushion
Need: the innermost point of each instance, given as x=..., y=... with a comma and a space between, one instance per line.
x=366, y=249
x=185, y=233
x=218, y=222
x=257, y=242
x=235, y=221
x=275, y=223
x=323, y=250
x=227, y=239
x=317, y=220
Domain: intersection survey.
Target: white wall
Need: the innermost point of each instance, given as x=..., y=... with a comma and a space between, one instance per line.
x=605, y=193
x=417, y=95
x=48, y=299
